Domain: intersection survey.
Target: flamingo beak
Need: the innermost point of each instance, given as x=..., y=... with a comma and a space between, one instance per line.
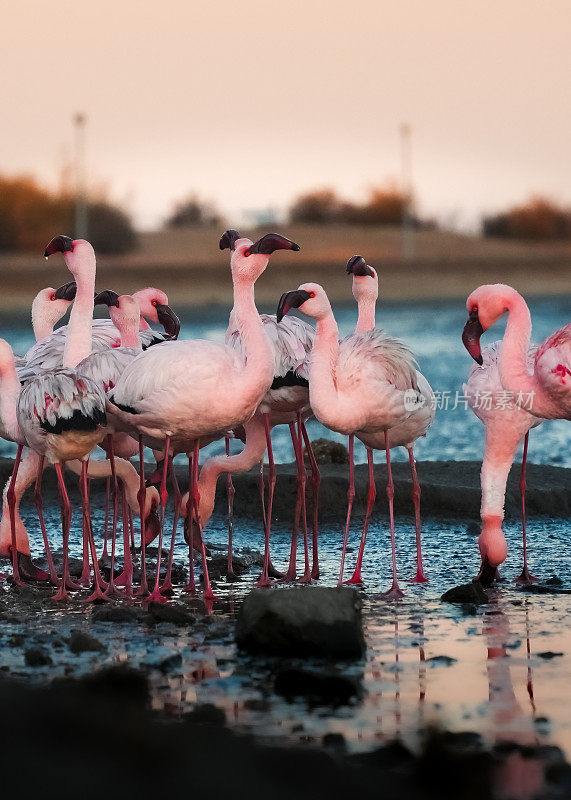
x=169, y=320
x=471, y=337
x=229, y=239
x=59, y=244
x=107, y=298
x=290, y=300
x=359, y=267
x=271, y=242
x=66, y=292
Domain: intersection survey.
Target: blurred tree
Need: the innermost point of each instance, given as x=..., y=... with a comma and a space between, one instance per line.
x=384, y=206
x=539, y=219
x=30, y=216
x=320, y=206
x=193, y=212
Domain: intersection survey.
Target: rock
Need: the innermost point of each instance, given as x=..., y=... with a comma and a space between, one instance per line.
x=311, y=620
x=37, y=657
x=115, y=614
x=548, y=654
x=466, y=593
x=171, y=663
x=120, y=685
x=555, y=580
x=318, y=688
x=328, y=452
x=334, y=743
x=80, y=642
x=446, y=661
x=206, y=714
x=473, y=529
x=170, y=612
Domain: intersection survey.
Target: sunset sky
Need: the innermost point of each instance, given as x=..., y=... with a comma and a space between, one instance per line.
x=251, y=102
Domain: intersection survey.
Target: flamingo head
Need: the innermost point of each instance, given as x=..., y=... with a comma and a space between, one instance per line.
x=365, y=279
x=485, y=306
x=152, y=520
x=78, y=253
x=50, y=305
x=6, y=355
x=310, y=298
x=249, y=259
x=154, y=307
x=192, y=530
x=123, y=310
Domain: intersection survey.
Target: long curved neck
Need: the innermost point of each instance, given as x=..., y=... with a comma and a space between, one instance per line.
x=10, y=391
x=259, y=370
x=366, y=319
x=143, y=324
x=324, y=355
x=41, y=324
x=128, y=330
x=78, y=341
x=514, y=373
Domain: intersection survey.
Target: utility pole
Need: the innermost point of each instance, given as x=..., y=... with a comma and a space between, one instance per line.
x=406, y=188
x=80, y=223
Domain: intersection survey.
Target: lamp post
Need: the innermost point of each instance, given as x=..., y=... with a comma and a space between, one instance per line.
x=407, y=228
x=80, y=221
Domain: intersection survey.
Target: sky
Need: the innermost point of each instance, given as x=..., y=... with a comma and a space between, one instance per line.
x=250, y=102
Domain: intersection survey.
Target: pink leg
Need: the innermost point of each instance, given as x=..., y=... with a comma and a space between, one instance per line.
x=126, y=577
x=302, y=478
x=141, y=497
x=85, y=578
x=394, y=592
x=62, y=593
x=420, y=576
x=156, y=595
x=208, y=593
x=291, y=570
x=40, y=512
x=11, y=497
x=98, y=593
x=264, y=579
x=526, y=577
x=112, y=590
x=167, y=587
x=105, y=554
x=315, y=484
x=191, y=586
x=230, y=575
x=350, y=498
x=356, y=578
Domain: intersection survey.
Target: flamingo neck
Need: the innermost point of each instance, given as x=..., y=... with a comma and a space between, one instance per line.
x=9, y=394
x=366, y=319
x=41, y=323
x=324, y=356
x=143, y=324
x=79, y=332
x=128, y=329
x=259, y=369
x=514, y=373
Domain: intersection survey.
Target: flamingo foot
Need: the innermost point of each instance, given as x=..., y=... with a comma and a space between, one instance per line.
x=167, y=587
x=156, y=597
x=209, y=594
x=356, y=579
x=305, y=578
x=487, y=574
x=274, y=573
x=97, y=595
x=526, y=578
x=315, y=573
x=61, y=594
x=189, y=589
x=231, y=577
x=28, y=570
x=263, y=580
x=394, y=593
x=420, y=577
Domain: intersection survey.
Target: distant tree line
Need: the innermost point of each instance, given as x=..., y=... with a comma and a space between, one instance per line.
x=30, y=216
x=538, y=219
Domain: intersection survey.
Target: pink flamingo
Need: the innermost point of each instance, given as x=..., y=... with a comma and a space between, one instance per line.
x=364, y=385
x=365, y=291
x=179, y=394
x=286, y=403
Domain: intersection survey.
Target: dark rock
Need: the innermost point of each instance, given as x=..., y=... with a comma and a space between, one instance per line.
x=121, y=684
x=37, y=657
x=312, y=620
x=206, y=714
x=170, y=612
x=393, y=755
x=548, y=654
x=473, y=529
x=80, y=642
x=555, y=580
x=171, y=663
x=469, y=609
x=444, y=660
x=466, y=593
x=328, y=452
x=257, y=704
x=17, y=640
x=318, y=688
x=543, y=588
x=115, y=614
x=334, y=743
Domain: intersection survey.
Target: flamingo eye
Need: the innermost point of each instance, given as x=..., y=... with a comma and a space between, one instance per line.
x=475, y=308
x=154, y=303
x=312, y=294
x=52, y=297
x=247, y=253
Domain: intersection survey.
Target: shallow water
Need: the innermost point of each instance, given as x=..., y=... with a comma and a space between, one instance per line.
x=433, y=330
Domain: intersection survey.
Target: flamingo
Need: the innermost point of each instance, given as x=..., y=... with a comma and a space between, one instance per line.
x=365, y=385
x=49, y=306
x=286, y=403
x=60, y=413
x=366, y=291
x=546, y=390
x=178, y=394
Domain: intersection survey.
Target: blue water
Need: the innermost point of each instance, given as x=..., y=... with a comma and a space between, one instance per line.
x=432, y=329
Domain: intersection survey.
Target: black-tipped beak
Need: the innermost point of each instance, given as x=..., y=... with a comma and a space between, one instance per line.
x=290, y=300
x=487, y=574
x=169, y=320
x=59, y=244
x=229, y=239
x=471, y=337
x=66, y=292
x=271, y=242
x=358, y=266
x=106, y=298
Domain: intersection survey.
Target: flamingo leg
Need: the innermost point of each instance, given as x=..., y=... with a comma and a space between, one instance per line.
x=112, y=590
x=98, y=593
x=191, y=586
x=85, y=578
x=350, y=499
x=291, y=570
x=104, y=554
x=356, y=578
x=141, y=497
x=302, y=479
x=526, y=577
x=126, y=577
x=167, y=587
x=11, y=497
x=315, y=484
x=208, y=593
x=394, y=592
x=419, y=577
x=62, y=593
x=40, y=512
x=230, y=575
x=156, y=595
x=268, y=568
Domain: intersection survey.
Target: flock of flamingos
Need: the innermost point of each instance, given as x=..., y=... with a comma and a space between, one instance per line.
x=121, y=386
